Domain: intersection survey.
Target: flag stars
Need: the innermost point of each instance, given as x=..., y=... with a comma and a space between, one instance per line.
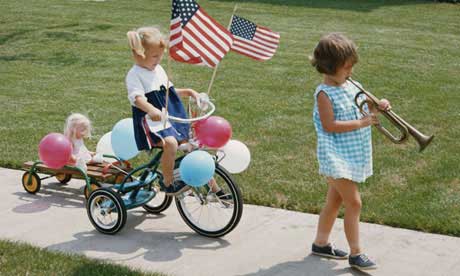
x=185, y=9
x=243, y=28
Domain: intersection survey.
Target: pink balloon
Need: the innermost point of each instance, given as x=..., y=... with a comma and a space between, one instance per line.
x=55, y=150
x=213, y=132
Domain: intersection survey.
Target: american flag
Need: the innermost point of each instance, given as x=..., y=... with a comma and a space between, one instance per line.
x=254, y=41
x=195, y=37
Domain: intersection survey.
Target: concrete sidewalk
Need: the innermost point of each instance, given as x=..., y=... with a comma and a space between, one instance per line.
x=266, y=242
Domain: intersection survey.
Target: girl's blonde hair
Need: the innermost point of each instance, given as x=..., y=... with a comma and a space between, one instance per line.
x=77, y=121
x=332, y=51
x=145, y=37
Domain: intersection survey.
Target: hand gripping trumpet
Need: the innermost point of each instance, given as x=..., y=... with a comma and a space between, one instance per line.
x=404, y=127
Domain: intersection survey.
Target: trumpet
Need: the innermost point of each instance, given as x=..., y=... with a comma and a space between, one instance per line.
x=404, y=127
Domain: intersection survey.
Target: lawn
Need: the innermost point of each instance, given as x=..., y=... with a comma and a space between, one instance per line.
x=22, y=259
x=58, y=57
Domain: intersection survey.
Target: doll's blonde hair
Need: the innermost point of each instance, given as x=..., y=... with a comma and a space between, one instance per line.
x=145, y=37
x=77, y=121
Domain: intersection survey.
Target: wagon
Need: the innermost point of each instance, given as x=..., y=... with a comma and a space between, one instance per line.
x=96, y=174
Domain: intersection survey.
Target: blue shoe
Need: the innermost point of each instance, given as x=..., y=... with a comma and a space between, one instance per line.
x=361, y=262
x=328, y=251
x=177, y=187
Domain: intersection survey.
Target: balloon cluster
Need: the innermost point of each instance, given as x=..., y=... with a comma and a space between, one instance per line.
x=216, y=132
x=196, y=169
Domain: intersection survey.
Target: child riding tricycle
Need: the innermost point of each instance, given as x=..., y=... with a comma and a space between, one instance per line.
x=212, y=209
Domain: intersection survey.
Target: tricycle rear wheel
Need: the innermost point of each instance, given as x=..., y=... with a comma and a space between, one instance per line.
x=161, y=201
x=106, y=211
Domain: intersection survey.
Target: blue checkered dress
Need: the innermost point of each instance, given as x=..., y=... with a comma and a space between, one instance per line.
x=347, y=154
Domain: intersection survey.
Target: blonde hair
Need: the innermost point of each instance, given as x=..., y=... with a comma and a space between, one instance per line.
x=145, y=37
x=332, y=51
x=75, y=121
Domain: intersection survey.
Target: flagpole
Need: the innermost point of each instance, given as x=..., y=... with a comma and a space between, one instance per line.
x=217, y=65
x=168, y=74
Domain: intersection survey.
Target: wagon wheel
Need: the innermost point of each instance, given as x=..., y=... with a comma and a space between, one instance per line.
x=63, y=178
x=31, y=182
x=94, y=186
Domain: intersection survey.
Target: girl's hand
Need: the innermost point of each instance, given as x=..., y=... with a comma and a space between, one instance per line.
x=368, y=120
x=72, y=160
x=195, y=95
x=200, y=99
x=155, y=114
x=98, y=158
x=384, y=104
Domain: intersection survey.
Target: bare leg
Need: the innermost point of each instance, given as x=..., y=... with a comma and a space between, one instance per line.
x=167, y=159
x=213, y=184
x=349, y=192
x=328, y=215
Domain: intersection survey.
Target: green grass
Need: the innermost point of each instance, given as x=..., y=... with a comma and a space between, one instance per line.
x=22, y=259
x=58, y=57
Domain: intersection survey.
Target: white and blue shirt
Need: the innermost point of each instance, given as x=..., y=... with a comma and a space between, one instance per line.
x=140, y=81
x=347, y=154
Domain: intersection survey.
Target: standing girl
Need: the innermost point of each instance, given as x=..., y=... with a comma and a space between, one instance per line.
x=146, y=83
x=344, y=147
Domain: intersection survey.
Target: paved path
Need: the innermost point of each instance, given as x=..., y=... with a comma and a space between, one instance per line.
x=266, y=242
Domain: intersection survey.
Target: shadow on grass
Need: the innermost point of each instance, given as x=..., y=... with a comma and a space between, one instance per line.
x=152, y=245
x=310, y=265
x=355, y=5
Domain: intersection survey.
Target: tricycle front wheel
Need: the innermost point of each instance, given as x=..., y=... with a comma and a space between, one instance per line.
x=214, y=209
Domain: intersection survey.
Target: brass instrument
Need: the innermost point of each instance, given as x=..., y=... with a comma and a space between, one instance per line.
x=404, y=127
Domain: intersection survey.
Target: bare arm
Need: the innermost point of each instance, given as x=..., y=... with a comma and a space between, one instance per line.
x=144, y=105
x=326, y=115
x=184, y=92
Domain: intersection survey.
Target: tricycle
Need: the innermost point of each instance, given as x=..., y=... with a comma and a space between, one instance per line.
x=212, y=210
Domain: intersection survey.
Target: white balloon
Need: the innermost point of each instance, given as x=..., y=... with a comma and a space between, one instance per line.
x=104, y=146
x=234, y=156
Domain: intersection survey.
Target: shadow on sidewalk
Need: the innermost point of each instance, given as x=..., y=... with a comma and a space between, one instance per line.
x=310, y=265
x=50, y=194
x=154, y=245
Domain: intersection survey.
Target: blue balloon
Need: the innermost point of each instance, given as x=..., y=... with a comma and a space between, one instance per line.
x=197, y=168
x=123, y=142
